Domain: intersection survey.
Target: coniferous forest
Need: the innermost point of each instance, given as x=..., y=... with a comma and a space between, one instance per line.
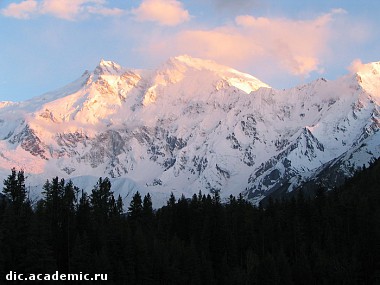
x=330, y=238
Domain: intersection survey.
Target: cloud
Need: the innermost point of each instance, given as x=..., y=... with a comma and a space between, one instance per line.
x=236, y=5
x=67, y=10
x=358, y=66
x=63, y=9
x=291, y=45
x=21, y=10
x=104, y=11
x=163, y=12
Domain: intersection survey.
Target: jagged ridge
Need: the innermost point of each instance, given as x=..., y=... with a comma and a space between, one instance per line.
x=193, y=125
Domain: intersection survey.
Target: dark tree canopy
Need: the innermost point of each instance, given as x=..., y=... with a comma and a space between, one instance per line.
x=14, y=188
x=329, y=238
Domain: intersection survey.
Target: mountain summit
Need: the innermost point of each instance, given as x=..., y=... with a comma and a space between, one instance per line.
x=193, y=125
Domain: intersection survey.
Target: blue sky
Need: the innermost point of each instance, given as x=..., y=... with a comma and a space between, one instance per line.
x=46, y=44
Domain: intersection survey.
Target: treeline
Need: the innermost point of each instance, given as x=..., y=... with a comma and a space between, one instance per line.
x=333, y=238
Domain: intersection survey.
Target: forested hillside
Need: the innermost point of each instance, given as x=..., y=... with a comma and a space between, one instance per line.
x=332, y=238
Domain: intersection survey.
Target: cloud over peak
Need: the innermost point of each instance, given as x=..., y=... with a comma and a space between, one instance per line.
x=163, y=12
x=295, y=46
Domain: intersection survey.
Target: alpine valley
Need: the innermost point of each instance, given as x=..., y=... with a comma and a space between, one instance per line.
x=193, y=125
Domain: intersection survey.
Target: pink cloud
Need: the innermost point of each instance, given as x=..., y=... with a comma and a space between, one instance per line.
x=21, y=10
x=104, y=11
x=67, y=10
x=358, y=66
x=291, y=45
x=63, y=9
x=164, y=12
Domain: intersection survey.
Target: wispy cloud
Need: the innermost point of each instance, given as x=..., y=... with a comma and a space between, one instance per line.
x=358, y=66
x=291, y=45
x=163, y=12
x=104, y=11
x=235, y=5
x=21, y=10
x=63, y=9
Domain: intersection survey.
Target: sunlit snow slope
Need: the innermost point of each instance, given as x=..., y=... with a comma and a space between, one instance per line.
x=193, y=125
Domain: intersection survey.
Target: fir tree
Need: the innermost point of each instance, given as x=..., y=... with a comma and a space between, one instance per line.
x=102, y=200
x=135, y=208
x=147, y=208
x=14, y=189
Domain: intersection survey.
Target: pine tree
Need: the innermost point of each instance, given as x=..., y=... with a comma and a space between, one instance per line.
x=147, y=206
x=119, y=205
x=15, y=224
x=216, y=197
x=172, y=200
x=14, y=189
x=135, y=208
x=102, y=200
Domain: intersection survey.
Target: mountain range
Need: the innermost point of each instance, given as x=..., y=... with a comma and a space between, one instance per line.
x=192, y=125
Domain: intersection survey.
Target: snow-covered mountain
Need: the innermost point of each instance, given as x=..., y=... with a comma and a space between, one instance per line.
x=193, y=125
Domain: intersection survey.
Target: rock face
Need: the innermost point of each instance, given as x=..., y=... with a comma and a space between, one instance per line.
x=194, y=125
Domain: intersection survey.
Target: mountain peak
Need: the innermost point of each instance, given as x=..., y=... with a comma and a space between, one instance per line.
x=107, y=67
x=197, y=63
x=200, y=64
x=182, y=64
x=372, y=68
x=368, y=76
